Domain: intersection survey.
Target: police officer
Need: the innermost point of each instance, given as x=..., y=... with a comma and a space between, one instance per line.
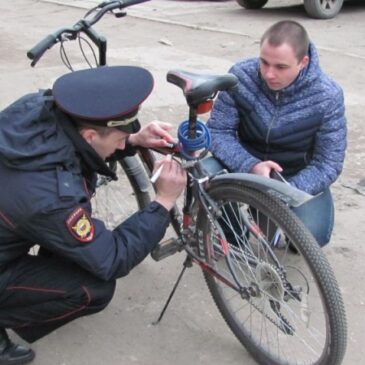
x=52, y=144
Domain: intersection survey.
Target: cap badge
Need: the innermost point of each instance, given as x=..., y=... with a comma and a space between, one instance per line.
x=117, y=123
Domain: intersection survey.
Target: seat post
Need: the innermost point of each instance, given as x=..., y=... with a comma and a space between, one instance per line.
x=193, y=116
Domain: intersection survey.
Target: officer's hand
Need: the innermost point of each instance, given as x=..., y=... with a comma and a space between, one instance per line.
x=264, y=168
x=170, y=183
x=154, y=134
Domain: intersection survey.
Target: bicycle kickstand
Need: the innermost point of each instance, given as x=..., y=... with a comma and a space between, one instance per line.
x=187, y=263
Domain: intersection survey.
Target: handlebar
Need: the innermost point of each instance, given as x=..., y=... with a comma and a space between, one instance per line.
x=37, y=51
x=82, y=25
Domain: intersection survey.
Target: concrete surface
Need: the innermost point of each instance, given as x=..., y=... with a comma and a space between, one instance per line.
x=201, y=37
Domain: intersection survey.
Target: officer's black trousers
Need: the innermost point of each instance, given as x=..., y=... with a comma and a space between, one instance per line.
x=44, y=293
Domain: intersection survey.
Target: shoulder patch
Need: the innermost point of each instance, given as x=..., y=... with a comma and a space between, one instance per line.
x=80, y=225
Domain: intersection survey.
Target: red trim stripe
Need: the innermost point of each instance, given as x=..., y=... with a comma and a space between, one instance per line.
x=63, y=316
x=35, y=289
x=7, y=220
x=74, y=311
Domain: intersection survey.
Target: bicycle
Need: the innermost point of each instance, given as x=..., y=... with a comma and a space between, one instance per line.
x=285, y=308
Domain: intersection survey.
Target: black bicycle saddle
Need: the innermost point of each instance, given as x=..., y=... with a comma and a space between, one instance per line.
x=198, y=88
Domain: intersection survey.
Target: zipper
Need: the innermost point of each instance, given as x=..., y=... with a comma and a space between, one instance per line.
x=272, y=122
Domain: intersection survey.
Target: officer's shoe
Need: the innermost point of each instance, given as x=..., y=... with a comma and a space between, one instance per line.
x=12, y=354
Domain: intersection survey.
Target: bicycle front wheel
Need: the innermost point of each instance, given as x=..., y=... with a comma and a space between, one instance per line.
x=274, y=288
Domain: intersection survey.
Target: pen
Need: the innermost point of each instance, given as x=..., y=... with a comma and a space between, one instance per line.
x=156, y=175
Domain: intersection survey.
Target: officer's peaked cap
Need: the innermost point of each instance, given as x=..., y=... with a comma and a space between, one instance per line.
x=104, y=96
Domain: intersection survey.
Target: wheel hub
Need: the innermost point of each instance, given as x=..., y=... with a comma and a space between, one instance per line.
x=270, y=281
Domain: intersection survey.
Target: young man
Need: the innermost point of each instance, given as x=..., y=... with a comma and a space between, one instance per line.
x=286, y=116
x=52, y=144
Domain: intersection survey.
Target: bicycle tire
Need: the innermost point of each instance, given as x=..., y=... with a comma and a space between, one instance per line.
x=138, y=179
x=115, y=201
x=278, y=324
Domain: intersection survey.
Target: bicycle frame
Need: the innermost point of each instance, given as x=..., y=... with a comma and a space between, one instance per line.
x=195, y=194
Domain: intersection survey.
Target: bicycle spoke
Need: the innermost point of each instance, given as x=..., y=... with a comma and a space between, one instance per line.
x=115, y=201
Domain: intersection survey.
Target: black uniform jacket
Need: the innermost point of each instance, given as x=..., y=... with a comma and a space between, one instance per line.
x=47, y=174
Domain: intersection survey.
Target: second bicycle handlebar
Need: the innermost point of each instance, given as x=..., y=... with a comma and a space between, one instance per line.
x=81, y=26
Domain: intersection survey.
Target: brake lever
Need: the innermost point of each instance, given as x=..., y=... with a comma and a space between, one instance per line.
x=68, y=37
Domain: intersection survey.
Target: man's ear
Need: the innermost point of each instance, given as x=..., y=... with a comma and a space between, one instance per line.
x=304, y=62
x=88, y=134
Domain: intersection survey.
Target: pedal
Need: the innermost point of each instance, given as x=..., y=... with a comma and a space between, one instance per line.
x=166, y=248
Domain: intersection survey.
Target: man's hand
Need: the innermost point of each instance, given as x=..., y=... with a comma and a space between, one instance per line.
x=170, y=183
x=264, y=168
x=154, y=134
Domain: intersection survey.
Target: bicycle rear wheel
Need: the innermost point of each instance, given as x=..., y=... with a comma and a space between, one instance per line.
x=115, y=201
x=284, y=307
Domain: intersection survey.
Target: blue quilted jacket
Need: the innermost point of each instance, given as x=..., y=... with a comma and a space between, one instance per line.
x=302, y=127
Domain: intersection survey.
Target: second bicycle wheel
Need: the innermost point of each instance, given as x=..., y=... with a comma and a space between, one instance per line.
x=276, y=290
x=115, y=201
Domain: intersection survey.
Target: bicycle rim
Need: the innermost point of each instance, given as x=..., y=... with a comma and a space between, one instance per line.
x=115, y=201
x=287, y=308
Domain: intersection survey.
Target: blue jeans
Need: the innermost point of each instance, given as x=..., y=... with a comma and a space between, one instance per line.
x=317, y=214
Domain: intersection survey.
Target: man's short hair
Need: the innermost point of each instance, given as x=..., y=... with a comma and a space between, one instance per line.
x=101, y=130
x=290, y=32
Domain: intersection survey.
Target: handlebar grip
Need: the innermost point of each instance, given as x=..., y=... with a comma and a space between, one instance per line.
x=37, y=51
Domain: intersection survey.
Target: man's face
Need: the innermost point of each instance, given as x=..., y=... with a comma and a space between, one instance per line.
x=279, y=65
x=105, y=145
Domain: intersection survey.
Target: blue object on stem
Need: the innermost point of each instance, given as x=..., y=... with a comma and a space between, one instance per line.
x=201, y=141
